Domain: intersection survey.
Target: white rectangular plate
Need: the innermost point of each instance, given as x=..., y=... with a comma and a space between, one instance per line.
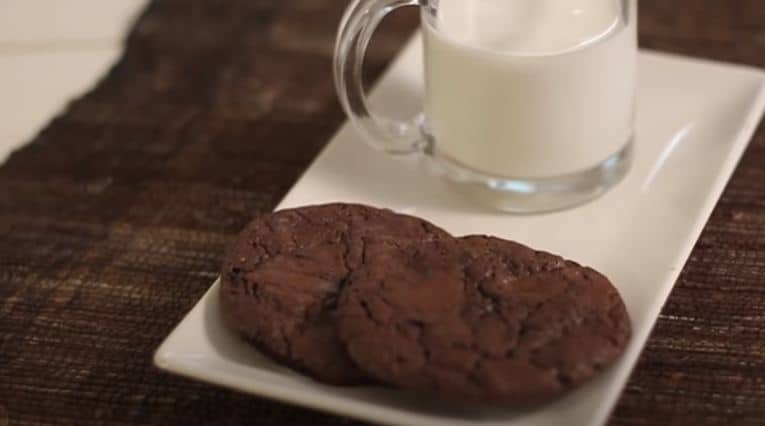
x=694, y=121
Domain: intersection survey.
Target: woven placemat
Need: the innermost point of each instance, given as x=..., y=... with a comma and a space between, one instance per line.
x=115, y=217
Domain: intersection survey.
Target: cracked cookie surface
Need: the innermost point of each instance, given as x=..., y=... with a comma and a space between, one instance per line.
x=282, y=276
x=479, y=318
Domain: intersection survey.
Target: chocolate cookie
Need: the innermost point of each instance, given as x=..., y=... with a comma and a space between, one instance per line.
x=480, y=318
x=282, y=276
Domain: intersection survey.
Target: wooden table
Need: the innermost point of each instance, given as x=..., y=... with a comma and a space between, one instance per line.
x=115, y=217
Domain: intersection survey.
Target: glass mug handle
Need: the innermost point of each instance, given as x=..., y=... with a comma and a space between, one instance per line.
x=359, y=23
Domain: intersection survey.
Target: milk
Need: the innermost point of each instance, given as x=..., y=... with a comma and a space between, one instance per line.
x=531, y=89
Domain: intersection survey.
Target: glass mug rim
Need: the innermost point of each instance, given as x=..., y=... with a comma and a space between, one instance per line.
x=428, y=9
x=505, y=191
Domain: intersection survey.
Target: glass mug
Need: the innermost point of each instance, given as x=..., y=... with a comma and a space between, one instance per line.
x=529, y=104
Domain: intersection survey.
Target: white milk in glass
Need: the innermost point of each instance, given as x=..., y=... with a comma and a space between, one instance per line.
x=530, y=89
